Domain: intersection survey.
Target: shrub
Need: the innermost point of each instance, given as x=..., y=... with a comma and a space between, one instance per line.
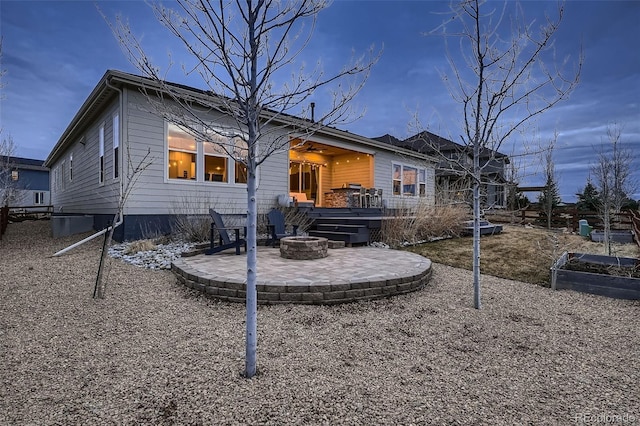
x=422, y=223
x=140, y=245
x=293, y=216
x=192, y=221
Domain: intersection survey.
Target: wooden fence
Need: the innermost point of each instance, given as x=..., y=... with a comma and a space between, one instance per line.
x=570, y=218
x=17, y=214
x=635, y=225
x=4, y=220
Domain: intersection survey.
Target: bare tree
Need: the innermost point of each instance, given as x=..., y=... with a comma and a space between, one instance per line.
x=7, y=152
x=612, y=173
x=126, y=186
x=549, y=197
x=602, y=172
x=506, y=77
x=623, y=167
x=244, y=53
x=7, y=183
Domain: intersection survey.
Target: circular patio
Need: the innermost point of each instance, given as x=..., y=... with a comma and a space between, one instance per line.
x=345, y=275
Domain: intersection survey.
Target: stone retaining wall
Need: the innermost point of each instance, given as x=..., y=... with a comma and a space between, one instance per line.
x=325, y=293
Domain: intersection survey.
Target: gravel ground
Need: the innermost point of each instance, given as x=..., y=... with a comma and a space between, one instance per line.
x=154, y=352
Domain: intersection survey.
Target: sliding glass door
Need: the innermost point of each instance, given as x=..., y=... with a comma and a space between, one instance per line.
x=305, y=177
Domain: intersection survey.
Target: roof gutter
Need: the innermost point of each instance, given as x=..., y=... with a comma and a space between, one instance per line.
x=77, y=120
x=285, y=119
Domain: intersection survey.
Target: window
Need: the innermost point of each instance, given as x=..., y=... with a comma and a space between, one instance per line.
x=182, y=154
x=101, y=153
x=397, y=179
x=62, y=175
x=14, y=175
x=206, y=162
x=71, y=167
x=116, y=146
x=38, y=197
x=422, y=182
x=215, y=163
x=56, y=177
x=409, y=181
x=241, y=172
x=240, y=150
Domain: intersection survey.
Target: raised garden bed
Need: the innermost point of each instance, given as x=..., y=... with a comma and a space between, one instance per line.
x=616, y=277
x=623, y=237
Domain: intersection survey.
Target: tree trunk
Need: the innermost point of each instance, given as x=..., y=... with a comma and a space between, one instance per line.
x=252, y=265
x=476, y=226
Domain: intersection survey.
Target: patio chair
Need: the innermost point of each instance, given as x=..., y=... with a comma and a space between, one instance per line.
x=372, y=195
x=278, y=228
x=364, y=197
x=224, y=241
x=377, y=198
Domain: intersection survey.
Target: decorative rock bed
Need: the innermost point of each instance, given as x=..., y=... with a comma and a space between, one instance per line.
x=304, y=248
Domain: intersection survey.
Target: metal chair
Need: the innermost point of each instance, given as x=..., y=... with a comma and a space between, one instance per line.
x=372, y=196
x=364, y=197
x=377, y=198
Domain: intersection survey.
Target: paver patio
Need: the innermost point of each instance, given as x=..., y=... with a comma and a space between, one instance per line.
x=345, y=275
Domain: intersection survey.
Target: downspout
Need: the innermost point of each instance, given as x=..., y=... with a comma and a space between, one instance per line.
x=89, y=238
x=121, y=218
x=120, y=121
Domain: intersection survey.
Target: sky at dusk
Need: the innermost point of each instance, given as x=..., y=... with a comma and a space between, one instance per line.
x=55, y=52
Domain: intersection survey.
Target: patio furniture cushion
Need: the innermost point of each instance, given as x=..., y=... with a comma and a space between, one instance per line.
x=300, y=198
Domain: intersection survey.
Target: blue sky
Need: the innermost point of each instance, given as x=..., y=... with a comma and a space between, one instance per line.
x=54, y=52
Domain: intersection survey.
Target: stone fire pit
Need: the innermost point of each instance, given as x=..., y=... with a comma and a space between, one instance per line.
x=303, y=248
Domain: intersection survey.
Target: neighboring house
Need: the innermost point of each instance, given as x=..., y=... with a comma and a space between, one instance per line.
x=116, y=126
x=27, y=185
x=455, y=160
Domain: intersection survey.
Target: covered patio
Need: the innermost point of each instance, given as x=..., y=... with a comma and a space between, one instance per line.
x=327, y=175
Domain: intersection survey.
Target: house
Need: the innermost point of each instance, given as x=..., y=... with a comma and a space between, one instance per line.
x=117, y=126
x=26, y=185
x=452, y=180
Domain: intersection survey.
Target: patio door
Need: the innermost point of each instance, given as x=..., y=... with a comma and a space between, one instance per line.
x=305, y=177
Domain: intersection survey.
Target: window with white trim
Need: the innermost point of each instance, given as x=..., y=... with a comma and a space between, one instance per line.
x=217, y=161
x=71, y=167
x=116, y=145
x=101, y=153
x=209, y=162
x=397, y=179
x=422, y=182
x=14, y=175
x=62, y=175
x=38, y=197
x=408, y=181
x=56, y=177
x=183, y=153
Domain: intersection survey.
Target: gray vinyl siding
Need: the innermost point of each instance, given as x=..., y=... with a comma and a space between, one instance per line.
x=84, y=194
x=25, y=198
x=155, y=194
x=383, y=179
